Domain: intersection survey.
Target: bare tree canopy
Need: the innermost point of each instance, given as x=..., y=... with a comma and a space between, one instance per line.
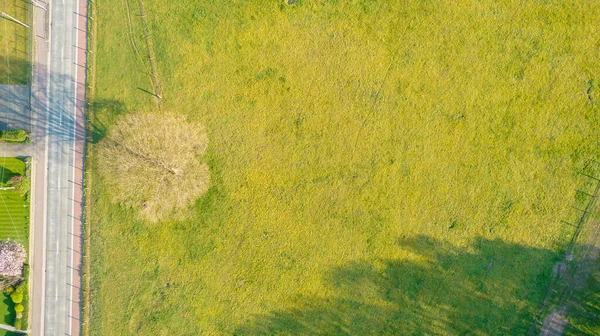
x=153, y=163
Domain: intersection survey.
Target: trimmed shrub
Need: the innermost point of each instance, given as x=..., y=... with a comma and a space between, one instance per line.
x=15, y=180
x=19, y=315
x=19, y=324
x=9, y=290
x=13, y=135
x=23, y=187
x=16, y=297
x=19, y=308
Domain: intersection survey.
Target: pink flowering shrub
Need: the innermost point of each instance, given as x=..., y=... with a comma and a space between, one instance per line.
x=12, y=258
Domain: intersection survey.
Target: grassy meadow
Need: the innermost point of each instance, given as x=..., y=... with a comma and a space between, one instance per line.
x=391, y=167
x=15, y=42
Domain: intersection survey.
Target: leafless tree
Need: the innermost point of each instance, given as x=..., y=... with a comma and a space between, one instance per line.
x=152, y=162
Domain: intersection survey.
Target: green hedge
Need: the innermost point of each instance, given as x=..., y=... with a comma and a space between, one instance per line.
x=20, y=299
x=13, y=135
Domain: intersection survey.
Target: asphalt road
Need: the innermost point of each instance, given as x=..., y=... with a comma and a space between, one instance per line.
x=57, y=174
x=59, y=153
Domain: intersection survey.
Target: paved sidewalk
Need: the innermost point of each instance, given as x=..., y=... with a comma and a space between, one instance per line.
x=16, y=150
x=78, y=169
x=39, y=107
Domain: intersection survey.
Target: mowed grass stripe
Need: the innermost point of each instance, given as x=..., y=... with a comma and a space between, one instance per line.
x=10, y=167
x=14, y=209
x=14, y=217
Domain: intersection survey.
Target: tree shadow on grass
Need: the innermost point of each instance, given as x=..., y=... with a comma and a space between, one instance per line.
x=9, y=318
x=490, y=288
x=6, y=174
x=18, y=71
x=96, y=127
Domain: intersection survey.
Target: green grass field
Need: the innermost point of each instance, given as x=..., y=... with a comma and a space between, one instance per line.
x=378, y=167
x=8, y=333
x=14, y=224
x=7, y=310
x=15, y=42
x=14, y=209
x=10, y=167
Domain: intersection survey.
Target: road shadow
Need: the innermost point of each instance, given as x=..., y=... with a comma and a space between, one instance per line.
x=29, y=108
x=56, y=114
x=489, y=288
x=15, y=93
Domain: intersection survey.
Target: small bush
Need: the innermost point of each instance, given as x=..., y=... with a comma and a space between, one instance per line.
x=16, y=297
x=20, y=315
x=22, y=287
x=13, y=135
x=22, y=186
x=9, y=290
x=19, y=324
x=19, y=308
x=15, y=180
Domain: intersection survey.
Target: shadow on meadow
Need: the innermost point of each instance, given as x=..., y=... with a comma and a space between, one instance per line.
x=491, y=287
x=96, y=127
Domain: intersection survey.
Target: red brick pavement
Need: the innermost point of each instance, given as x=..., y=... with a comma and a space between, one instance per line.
x=78, y=169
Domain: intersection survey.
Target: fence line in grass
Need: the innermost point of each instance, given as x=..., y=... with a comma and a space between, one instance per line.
x=562, y=288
